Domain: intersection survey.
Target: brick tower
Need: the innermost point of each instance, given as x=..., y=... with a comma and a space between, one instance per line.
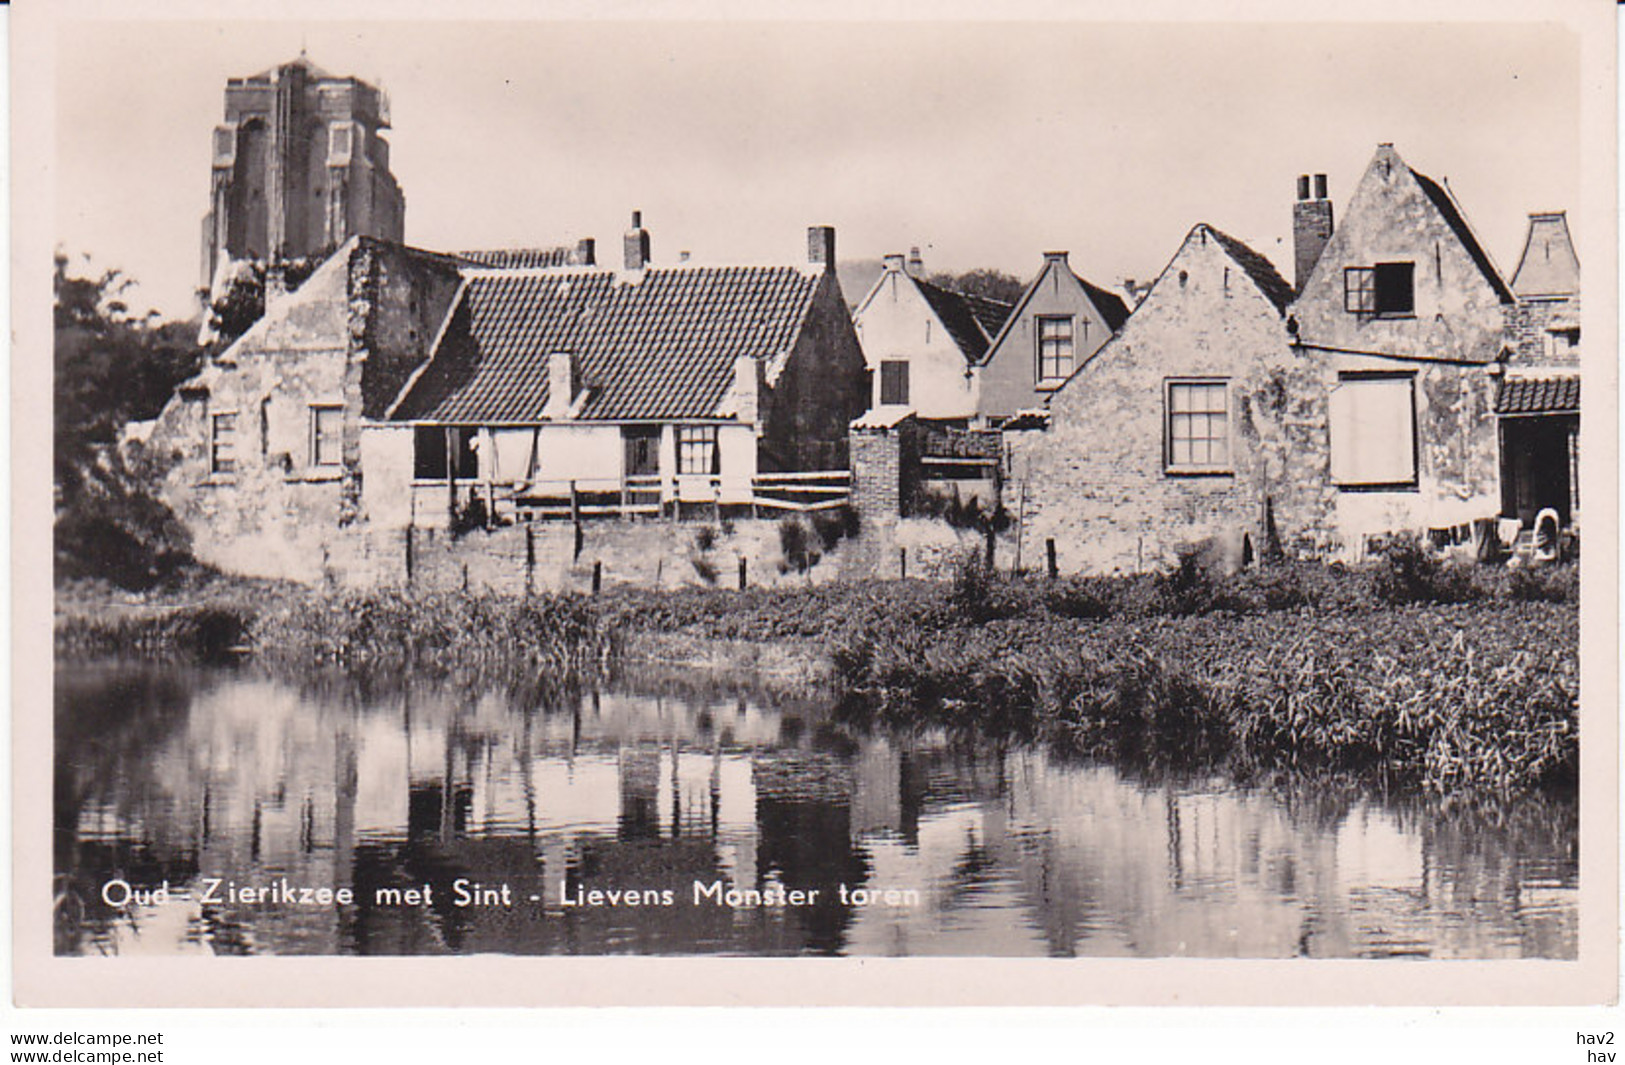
x=300, y=165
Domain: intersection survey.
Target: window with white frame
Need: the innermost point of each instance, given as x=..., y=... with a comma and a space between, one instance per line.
x=326, y=426
x=223, y=442
x=697, y=449
x=1197, y=439
x=1373, y=430
x=1055, y=349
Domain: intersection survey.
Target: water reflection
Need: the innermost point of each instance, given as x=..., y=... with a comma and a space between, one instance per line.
x=483, y=823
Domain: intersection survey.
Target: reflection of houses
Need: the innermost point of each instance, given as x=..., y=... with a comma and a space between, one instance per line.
x=1539, y=399
x=924, y=343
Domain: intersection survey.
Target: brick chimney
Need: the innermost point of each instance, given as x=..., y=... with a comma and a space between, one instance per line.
x=1311, y=227
x=637, y=243
x=586, y=252
x=821, y=246
x=561, y=385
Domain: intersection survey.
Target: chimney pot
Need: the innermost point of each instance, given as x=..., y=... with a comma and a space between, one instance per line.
x=586, y=252
x=637, y=219
x=916, y=265
x=1320, y=186
x=821, y=246
x=1303, y=186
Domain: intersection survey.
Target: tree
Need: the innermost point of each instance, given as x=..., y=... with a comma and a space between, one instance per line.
x=989, y=284
x=110, y=368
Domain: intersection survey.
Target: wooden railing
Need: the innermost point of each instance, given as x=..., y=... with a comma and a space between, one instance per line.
x=646, y=495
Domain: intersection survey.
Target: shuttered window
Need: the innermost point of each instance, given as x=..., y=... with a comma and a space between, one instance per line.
x=326, y=424
x=1373, y=431
x=894, y=382
x=223, y=442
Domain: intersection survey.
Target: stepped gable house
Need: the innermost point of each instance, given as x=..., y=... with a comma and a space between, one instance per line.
x=1538, y=402
x=300, y=166
x=1056, y=325
x=924, y=344
x=1197, y=421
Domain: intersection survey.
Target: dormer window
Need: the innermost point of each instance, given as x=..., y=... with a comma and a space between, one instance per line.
x=1383, y=290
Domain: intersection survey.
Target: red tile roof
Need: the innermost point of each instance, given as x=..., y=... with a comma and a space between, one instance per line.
x=660, y=347
x=1539, y=395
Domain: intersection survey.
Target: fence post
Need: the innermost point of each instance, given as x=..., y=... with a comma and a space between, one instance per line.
x=902, y=563
x=409, y=556
x=597, y=575
x=991, y=540
x=1049, y=551
x=742, y=565
x=530, y=558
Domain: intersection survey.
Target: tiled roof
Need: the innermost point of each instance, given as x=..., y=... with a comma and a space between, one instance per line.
x=1265, y=276
x=660, y=347
x=972, y=321
x=1109, y=304
x=1458, y=225
x=520, y=258
x=1538, y=395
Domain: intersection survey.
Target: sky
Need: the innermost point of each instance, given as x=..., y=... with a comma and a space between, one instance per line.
x=985, y=143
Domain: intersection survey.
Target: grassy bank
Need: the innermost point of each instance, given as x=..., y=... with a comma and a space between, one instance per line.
x=1449, y=678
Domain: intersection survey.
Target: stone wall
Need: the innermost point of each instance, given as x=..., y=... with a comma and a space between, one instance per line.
x=1098, y=481
x=1527, y=325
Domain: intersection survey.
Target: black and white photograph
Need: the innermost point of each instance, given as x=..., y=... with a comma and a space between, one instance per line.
x=1064, y=488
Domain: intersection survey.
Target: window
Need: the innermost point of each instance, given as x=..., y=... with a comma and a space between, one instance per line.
x=697, y=449
x=223, y=442
x=430, y=452
x=1384, y=289
x=1373, y=431
x=326, y=424
x=1054, y=349
x=893, y=382
x=1562, y=344
x=1198, y=437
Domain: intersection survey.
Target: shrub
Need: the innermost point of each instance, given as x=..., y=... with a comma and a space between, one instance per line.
x=795, y=546
x=705, y=538
x=1409, y=573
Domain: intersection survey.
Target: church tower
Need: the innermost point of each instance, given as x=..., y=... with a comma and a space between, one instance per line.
x=300, y=165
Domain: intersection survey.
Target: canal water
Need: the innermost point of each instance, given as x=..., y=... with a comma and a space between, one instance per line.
x=229, y=811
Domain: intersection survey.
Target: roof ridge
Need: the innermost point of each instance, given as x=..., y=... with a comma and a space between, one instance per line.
x=1256, y=266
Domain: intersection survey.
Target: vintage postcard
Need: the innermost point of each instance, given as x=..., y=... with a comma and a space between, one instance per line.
x=519, y=506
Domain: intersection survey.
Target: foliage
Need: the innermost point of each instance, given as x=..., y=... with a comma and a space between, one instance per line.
x=795, y=546
x=989, y=284
x=242, y=303
x=111, y=368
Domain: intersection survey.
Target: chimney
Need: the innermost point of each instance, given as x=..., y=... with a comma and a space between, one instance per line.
x=586, y=252
x=1055, y=257
x=821, y=246
x=1311, y=227
x=747, y=389
x=894, y=264
x=637, y=243
x=561, y=385
x=916, y=265
x=682, y=256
